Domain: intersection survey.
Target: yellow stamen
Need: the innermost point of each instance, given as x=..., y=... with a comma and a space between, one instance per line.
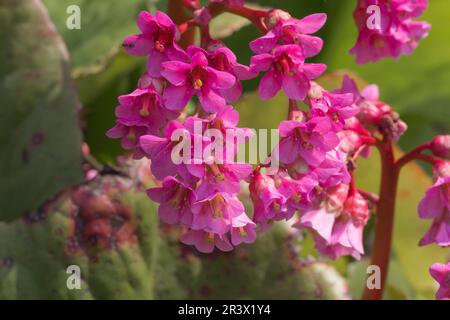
x=198, y=84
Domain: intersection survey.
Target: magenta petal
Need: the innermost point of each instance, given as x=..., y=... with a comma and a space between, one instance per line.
x=311, y=45
x=287, y=127
x=287, y=151
x=116, y=132
x=371, y=92
x=243, y=72
x=164, y=20
x=296, y=87
x=431, y=205
x=152, y=144
x=210, y=100
x=223, y=244
x=261, y=62
x=312, y=23
x=175, y=72
x=146, y=22
x=270, y=84
x=265, y=43
x=220, y=79
x=154, y=63
x=138, y=45
x=233, y=94
x=176, y=98
x=168, y=213
x=314, y=70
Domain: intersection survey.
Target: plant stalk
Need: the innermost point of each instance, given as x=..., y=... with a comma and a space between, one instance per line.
x=384, y=224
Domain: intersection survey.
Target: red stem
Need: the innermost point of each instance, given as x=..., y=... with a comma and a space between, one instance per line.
x=414, y=154
x=178, y=12
x=384, y=217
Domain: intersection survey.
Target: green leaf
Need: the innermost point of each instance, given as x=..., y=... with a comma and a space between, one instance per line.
x=265, y=269
x=104, y=25
x=37, y=250
x=40, y=141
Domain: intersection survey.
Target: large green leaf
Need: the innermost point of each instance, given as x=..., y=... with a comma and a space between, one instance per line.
x=266, y=269
x=40, y=141
x=37, y=249
x=104, y=25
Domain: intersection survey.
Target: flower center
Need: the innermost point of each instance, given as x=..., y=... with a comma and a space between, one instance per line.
x=143, y=112
x=217, y=204
x=178, y=196
x=197, y=78
x=131, y=136
x=242, y=232
x=162, y=41
x=297, y=197
x=283, y=64
x=276, y=206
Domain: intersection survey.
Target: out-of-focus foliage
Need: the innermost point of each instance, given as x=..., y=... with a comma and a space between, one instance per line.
x=104, y=24
x=40, y=140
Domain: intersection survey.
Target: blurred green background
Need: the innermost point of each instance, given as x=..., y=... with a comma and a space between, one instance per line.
x=42, y=90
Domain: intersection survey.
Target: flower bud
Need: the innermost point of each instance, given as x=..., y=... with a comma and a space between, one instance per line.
x=440, y=146
x=369, y=112
x=274, y=16
x=442, y=169
x=357, y=207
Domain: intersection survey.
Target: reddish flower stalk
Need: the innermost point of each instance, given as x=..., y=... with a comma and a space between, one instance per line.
x=384, y=217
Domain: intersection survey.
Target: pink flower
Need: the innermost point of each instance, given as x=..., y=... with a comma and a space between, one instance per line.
x=308, y=140
x=268, y=202
x=223, y=59
x=242, y=230
x=301, y=193
x=396, y=35
x=441, y=273
x=440, y=146
x=338, y=107
x=129, y=137
x=157, y=41
x=196, y=77
x=436, y=205
x=285, y=30
x=143, y=107
x=338, y=224
x=160, y=151
x=222, y=178
x=286, y=69
x=216, y=213
x=374, y=114
x=206, y=241
x=175, y=199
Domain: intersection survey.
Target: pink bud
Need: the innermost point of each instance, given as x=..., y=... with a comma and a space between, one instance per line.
x=350, y=141
x=369, y=112
x=274, y=16
x=442, y=169
x=440, y=146
x=357, y=207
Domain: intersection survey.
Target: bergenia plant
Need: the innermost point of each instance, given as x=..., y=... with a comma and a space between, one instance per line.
x=309, y=178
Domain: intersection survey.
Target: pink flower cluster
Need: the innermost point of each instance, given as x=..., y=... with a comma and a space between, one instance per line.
x=389, y=29
x=200, y=195
x=313, y=184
